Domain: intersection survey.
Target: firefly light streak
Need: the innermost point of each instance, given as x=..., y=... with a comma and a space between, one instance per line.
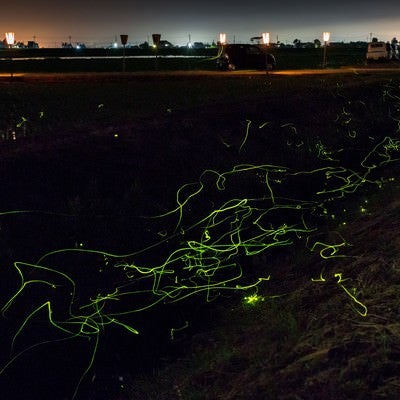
x=360, y=307
x=211, y=253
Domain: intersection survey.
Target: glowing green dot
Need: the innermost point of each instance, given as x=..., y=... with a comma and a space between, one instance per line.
x=253, y=299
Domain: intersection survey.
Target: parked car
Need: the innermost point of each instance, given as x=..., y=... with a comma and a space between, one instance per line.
x=245, y=56
x=378, y=51
x=165, y=44
x=198, y=45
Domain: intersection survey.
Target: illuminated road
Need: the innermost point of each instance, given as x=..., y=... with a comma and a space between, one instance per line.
x=94, y=76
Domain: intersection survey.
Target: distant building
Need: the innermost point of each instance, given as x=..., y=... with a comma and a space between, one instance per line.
x=32, y=45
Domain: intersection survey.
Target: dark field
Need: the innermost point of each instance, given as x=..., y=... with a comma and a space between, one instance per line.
x=110, y=60
x=179, y=206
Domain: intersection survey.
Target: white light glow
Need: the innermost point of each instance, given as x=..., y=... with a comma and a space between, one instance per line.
x=222, y=38
x=265, y=37
x=326, y=36
x=10, y=38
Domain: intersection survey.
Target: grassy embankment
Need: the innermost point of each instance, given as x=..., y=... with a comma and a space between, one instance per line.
x=326, y=326
x=97, y=157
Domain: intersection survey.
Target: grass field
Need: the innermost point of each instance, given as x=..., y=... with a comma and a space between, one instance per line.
x=92, y=60
x=245, y=226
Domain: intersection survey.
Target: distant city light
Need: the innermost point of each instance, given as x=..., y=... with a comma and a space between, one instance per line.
x=265, y=37
x=10, y=38
x=222, y=38
x=326, y=36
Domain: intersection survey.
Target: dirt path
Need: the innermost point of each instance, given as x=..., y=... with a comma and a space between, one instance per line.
x=48, y=77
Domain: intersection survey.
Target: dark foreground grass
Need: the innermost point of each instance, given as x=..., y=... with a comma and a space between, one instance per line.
x=91, y=159
x=64, y=105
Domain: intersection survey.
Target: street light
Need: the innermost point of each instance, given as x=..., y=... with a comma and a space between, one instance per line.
x=10, y=37
x=223, y=60
x=124, y=41
x=156, y=43
x=265, y=38
x=325, y=36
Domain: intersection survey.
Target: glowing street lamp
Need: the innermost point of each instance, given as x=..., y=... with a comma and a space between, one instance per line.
x=222, y=58
x=10, y=41
x=265, y=38
x=10, y=38
x=325, y=37
x=156, y=43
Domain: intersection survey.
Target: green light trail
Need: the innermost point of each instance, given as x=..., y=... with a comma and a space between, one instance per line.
x=207, y=252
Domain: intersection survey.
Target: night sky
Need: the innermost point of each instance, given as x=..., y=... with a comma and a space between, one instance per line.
x=99, y=22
